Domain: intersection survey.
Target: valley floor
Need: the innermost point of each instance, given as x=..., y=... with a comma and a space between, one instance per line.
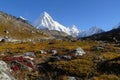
x=62, y=60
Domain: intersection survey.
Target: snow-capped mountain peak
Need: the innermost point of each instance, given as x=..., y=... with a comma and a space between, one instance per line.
x=45, y=21
x=74, y=28
x=93, y=30
x=74, y=31
x=45, y=14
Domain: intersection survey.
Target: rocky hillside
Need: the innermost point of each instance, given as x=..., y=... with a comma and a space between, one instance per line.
x=57, y=34
x=14, y=28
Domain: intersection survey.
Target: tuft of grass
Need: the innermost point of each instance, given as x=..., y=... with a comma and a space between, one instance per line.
x=106, y=77
x=109, y=55
x=77, y=67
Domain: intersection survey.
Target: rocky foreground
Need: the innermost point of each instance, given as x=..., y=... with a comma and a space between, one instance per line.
x=59, y=60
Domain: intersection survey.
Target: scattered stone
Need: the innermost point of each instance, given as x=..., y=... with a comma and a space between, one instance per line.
x=67, y=57
x=71, y=78
x=42, y=52
x=79, y=52
x=97, y=48
x=54, y=52
x=29, y=54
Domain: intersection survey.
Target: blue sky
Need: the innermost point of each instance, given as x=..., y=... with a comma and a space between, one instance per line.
x=82, y=13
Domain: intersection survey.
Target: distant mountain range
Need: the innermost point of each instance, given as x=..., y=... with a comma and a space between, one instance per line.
x=45, y=21
x=91, y=31
x=109, y=36
x=18, y=28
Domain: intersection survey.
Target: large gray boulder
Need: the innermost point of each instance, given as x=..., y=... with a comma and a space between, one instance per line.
x=79, y=52
x=5, y=71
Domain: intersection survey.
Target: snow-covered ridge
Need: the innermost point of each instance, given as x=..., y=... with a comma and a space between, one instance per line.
x=22, y=18
x=91, y=31
x=45, y=21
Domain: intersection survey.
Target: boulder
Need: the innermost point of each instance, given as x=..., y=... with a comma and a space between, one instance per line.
x=5, y=72
x=79, y=52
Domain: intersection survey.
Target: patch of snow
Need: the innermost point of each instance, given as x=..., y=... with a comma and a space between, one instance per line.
x=22, y=18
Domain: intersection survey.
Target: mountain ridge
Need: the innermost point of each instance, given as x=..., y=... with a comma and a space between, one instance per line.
x=45, y=21
x=14, y=28
x=109, y=36
x=92, y=31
